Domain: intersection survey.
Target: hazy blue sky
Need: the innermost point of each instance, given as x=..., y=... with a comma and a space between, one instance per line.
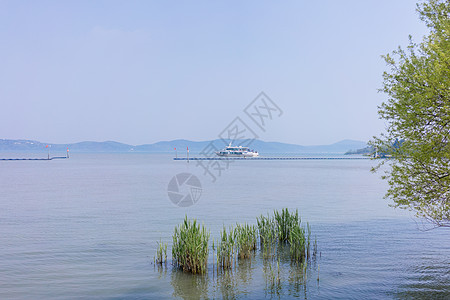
x=143, y=71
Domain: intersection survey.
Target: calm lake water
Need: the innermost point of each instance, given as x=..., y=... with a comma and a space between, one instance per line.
x=88, y=227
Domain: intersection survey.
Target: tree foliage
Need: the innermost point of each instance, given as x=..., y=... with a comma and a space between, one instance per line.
x=417, y=113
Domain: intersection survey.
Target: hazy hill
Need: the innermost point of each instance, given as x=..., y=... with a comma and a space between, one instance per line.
x=168, y=146
x=261, y=146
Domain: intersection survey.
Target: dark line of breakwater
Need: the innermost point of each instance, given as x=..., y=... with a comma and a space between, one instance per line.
x=271, y=158
x=50, y=158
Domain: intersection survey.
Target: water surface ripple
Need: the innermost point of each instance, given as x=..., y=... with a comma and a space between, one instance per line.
x=88, y=227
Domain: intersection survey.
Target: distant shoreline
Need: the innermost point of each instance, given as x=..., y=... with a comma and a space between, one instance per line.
x=170, y=146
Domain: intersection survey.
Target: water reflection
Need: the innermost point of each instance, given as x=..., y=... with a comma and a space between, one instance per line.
x=273, y=277
x=162, y=270
x=189, y=286
x=244, y=270
x=272, y=274
x=227, y=284
x=231, y=283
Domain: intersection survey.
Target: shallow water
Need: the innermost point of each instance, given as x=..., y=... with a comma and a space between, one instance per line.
x=88, y=227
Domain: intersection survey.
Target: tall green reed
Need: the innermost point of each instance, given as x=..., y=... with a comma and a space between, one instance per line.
x=225, y=249
x=284, y=227
x=161, y=253
x=297, y=243
x=246, y=239
x=190, y=246
x=267, y=234
x=286, y=221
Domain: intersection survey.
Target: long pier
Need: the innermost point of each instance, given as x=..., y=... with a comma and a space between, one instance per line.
x=49, y=158
x=272, y=158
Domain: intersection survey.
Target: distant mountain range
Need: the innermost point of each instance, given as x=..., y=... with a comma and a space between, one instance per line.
x=181, y=145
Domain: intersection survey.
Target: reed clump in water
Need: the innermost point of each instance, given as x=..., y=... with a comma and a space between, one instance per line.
x=297, y=243
x=246, y=239
x=190, y=247
x=267, y=234
x=285, y=228
x=286, y=222
x=161, y=253
x=239, y=242
x=277, y=232
x=225, y=249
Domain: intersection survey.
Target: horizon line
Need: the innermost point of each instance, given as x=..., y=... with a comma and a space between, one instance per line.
x=180, y=139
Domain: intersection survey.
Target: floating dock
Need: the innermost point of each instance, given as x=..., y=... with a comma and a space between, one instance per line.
x=50, y=158
x=272, y=158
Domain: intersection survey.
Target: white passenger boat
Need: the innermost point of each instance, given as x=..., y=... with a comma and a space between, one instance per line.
x=240, y=151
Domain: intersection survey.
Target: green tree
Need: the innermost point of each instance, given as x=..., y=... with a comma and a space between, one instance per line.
x=417, y=117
